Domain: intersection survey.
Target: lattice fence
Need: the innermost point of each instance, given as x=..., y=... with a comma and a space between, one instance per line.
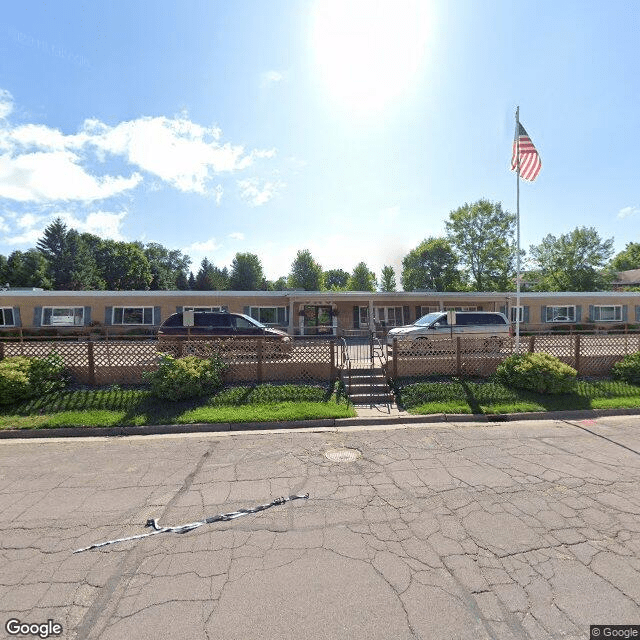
x=248, y=360
x=589, y=354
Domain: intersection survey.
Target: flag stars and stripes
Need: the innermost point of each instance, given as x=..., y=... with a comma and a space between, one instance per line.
x=525, y=159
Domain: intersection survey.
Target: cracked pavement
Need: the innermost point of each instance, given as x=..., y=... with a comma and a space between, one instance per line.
x=521, y=530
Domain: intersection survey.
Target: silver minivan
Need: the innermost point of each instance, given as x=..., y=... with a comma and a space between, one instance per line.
x=474, y=324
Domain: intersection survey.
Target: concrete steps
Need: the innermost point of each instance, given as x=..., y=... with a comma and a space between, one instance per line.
x=368, y=386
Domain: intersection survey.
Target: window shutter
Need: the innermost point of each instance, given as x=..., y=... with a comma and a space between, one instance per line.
x=543, y=313
x=578, y=313
x=591, y=312
x=37, y=317
x=418, y=311
x=281, y=319
x=625, y=313
x=503, y=309
x=179, y=309
x=638, y=313
x=356, y=317
x=16, y=317
x=246, y=311
x=525, y=314
x=157, y=315
x=108, y=315
x=405, y=315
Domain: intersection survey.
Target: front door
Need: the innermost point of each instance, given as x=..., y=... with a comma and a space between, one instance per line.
x=318, y=320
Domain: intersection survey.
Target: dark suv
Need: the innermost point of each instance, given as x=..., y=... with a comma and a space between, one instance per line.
x=218, y=323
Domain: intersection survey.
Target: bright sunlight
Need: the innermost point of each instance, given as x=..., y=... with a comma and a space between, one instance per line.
x=369, y=51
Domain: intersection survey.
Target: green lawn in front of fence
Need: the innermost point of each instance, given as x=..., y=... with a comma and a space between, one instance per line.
x=125, y=407
x=456, y=395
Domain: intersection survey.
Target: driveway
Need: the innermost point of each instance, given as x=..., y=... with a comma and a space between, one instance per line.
x=501, y=531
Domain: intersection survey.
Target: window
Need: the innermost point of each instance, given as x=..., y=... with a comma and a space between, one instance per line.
x=517, y=314
x=270, y=315
x=461, y=308
x=560, y=314
x=133, y=315
x=6, y=317
x=62, y=316
x=607, y=313
x=425, y=310
x=391, y=316
x=364, y=317
x=201, y=309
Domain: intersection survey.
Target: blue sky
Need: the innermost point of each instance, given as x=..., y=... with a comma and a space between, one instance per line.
x=348, y=127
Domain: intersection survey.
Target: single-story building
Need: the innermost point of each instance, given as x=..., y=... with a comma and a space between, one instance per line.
x=305, y=312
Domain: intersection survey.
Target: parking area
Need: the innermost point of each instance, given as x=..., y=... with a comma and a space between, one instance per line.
x=520, y=530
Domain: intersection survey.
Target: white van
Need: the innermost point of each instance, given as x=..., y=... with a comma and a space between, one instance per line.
x=474, y=324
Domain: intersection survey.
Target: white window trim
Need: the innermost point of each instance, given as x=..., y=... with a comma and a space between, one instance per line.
x=364, y=324
x=131, y=324
x=200, y=309
x=428, y=309
x=520, y=311
x=599, y=307
x=63, y=324
x=461, y=308
x=560, y=306
x=13, y=315
x=385, y=315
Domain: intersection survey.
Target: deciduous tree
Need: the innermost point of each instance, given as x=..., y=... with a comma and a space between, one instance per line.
x=336, y=279
x=431, y=266
x=483, y=236
x=388, y=279
x=574, y=261
x=362, y=279
x=306, y=273
x=246, y=273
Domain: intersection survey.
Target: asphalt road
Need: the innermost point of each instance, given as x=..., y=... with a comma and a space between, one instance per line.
x=477, y=531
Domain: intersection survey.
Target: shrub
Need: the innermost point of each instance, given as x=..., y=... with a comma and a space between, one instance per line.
x=188, y=377
x=539, y=372
x=25, y=377
x=627, y=369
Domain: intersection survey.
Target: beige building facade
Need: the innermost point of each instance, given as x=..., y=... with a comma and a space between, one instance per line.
x=305, y=312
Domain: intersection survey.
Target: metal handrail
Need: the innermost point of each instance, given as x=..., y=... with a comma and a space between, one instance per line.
x=345, y=360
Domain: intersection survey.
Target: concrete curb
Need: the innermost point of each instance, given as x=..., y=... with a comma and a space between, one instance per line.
x=221, y=427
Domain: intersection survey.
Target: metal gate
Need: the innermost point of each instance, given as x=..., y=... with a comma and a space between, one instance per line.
x=362, y=349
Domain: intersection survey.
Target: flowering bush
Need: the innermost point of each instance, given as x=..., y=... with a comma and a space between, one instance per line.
x=24, y=377
x=188, y=377
x=539, y=372
x=627, y=369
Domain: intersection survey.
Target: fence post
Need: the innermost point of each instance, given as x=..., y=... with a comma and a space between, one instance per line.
x=92, y=364
x=532, y=344
x=458, y=358
x=395, y=359
x=577, y=352
x=1, y=350
x=259, y=370
x=332, y=371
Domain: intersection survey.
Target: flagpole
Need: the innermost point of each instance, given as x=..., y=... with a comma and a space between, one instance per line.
x=518, y=230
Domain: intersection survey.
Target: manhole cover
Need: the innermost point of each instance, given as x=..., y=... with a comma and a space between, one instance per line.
x=342, y=455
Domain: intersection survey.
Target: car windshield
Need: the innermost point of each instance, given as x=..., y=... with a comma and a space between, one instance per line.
x=425, y=321
x=251, y=321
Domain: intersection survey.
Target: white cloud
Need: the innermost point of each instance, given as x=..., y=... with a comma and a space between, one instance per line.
x=39, y=163
x=4, y=227
x=270, y=78
x=626, y=212
x=6, y=104
x=256, y=194
x=106, y=224
x=197, y=251
x=236, y=235
x=56, y=175
x=219, y=191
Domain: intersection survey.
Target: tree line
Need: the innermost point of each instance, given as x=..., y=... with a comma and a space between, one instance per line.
x=477, y=253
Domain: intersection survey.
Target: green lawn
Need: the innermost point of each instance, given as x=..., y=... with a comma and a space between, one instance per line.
x=489, y=397
x=125, y=407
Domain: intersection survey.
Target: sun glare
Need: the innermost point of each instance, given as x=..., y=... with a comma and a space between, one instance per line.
x=368, y=52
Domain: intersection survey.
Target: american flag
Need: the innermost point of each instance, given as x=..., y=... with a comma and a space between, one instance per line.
x=530, y=164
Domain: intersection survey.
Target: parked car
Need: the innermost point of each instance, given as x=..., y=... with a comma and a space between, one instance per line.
x=491, y=325
x=213, y=324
